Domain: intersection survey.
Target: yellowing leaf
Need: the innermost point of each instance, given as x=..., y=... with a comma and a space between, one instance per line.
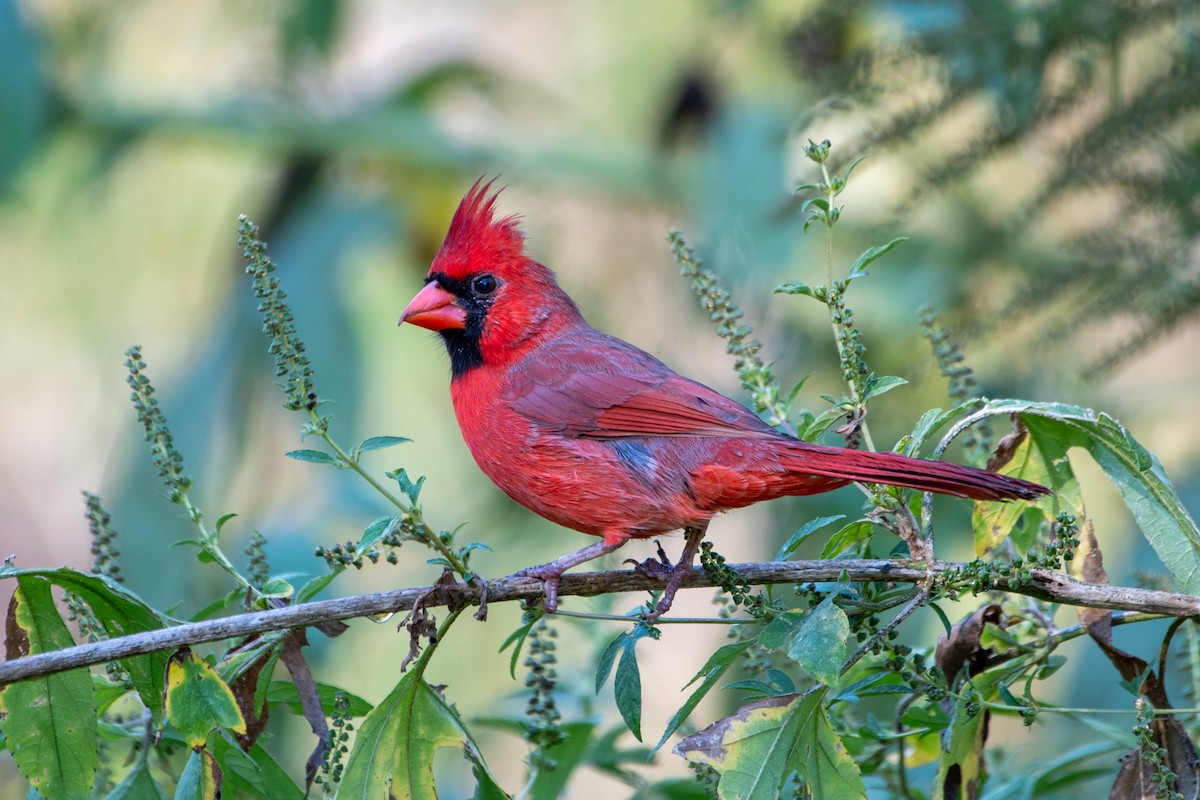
x=198, y=701
x=121, y=613
x=1137, y=474
x=1039, y=458
x=49, y=722
x=201, y=778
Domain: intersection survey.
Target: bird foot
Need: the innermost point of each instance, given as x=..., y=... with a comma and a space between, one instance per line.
x=551, y=573
x=674, y=574
x=549, y=576
x=659, y=568
x=674, y=581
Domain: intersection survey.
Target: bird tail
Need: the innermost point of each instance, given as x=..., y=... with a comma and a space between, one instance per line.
x=913, y=473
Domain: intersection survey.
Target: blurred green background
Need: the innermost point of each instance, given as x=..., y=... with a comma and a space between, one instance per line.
x=1044, y=158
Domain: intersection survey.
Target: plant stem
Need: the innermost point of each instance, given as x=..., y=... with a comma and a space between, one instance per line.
x=428, y=537
x=427, y=653
x=831, y=217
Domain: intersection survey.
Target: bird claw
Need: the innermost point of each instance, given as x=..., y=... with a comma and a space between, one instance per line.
x=674, y=574
x=658, y=568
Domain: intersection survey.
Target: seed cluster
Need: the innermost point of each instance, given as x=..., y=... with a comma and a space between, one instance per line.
x=291, y=364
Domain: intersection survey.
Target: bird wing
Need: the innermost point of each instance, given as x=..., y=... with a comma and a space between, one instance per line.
x=611, y=390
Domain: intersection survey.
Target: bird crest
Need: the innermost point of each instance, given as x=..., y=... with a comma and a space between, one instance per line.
x=476, y=238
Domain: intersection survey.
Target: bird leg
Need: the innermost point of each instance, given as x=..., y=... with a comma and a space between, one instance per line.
x=662, y=569
x=551, y=573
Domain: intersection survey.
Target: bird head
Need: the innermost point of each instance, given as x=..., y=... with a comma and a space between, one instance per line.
x=488, y=299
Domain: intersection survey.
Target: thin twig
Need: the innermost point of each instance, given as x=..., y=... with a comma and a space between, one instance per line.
x=1043, y=584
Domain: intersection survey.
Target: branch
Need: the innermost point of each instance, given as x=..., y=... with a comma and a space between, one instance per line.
x=1043, y=584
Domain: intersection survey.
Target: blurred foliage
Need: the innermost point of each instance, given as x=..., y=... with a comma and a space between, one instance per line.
x=1044, y=158
x=1066, y=105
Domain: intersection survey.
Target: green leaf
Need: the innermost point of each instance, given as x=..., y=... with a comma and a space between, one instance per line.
x=850, y=169
x=712, y=671
x=763, y=743
x=1134, y=685
x=255, y=774
x=106, y=692
x=1053, y=664
x=826, y=420
x=471, y=547
x=121, y=613
x=516, y=640
x=284, y=693
x=238, y=660
x=49, y=722
x=755, y=687
x=946, y=625
x=627, y=687
x=871, y=254
x=819, y=203
x=316, y=585
x=877, y=386
x=138, y=784
x=198, y=701
x=930, y=421
x=791, y=398
x=277, y=587
x=806, y=530
x=777, y=633
x=794, y=287
x=380, y=442
x=567, y=754
x=877, y=683
x=852, y=535
x=374, y=532
x=607, y=657
x=394, y=748
x=1007, y=698
x=820, y=644
x=925, y=717
x=407, y=485
x=311, y=456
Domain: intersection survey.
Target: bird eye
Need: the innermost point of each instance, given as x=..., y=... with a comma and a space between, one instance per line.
x=484, y=284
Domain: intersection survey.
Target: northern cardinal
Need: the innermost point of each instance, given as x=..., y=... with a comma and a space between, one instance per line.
x=597, y=435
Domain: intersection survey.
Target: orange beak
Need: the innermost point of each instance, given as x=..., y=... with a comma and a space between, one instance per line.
x=436, y=309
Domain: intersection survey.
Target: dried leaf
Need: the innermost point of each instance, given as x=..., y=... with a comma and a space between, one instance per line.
x=1008, y=445
x=1098, y=623
x=310, y=701
x=245, y=688
x=1136, y=778
x=961, y=648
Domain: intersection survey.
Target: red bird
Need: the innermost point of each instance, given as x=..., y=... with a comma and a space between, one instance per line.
x=599, y=436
